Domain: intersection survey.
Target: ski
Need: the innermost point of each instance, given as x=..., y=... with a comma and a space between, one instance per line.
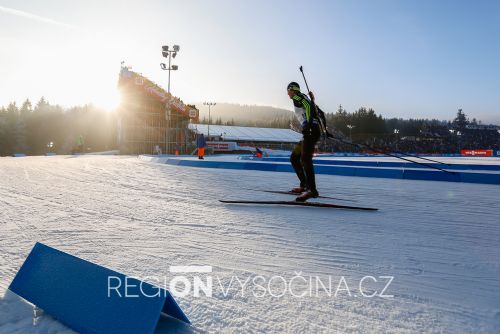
x=294, y=203
x=284, y=192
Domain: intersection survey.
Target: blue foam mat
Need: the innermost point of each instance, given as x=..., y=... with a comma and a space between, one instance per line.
x=75, y=292
x=396, y=172
x=389, y=164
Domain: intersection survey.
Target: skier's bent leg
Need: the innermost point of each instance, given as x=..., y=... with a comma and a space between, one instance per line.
x=295, y=159
x=307, y=158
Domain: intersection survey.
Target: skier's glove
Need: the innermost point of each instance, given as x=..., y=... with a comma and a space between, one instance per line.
x=306, y=129
x=311, y=96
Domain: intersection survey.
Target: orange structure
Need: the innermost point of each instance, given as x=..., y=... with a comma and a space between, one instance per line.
x=151, y=119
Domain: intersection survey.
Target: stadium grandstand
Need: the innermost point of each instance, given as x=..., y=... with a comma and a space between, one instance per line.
x=151, y=120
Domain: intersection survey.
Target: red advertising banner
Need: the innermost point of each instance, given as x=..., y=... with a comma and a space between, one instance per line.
x=222, y=145
x=477, y=153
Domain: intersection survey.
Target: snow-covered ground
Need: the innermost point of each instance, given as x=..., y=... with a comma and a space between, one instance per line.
x=439, y=240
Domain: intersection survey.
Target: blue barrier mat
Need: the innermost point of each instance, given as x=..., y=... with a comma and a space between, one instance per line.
x=332, y=169
x=77, y=293
x=389, y=164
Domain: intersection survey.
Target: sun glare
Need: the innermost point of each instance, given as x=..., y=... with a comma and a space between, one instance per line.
x=109, y=100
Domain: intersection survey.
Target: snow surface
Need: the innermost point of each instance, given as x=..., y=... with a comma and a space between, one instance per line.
x=440, y=241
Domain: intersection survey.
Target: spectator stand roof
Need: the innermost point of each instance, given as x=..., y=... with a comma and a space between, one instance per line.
x=243, y=133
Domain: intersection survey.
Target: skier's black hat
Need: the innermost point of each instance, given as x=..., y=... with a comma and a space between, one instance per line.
x=293, y=86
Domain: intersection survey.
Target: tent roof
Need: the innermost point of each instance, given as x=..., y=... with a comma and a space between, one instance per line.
x=244, y=133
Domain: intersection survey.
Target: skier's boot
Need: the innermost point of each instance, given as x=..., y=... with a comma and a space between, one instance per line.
x=307, y=195
x=298, y=190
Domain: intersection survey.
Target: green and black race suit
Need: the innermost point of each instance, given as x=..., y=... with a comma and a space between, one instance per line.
x=306, y=113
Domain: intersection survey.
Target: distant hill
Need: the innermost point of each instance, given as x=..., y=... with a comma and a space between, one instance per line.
x=243, y=114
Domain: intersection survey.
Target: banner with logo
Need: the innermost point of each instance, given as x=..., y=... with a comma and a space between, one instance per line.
x=477, y=153
x=222, y=145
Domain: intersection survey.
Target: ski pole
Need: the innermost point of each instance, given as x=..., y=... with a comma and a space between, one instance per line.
x=388, y=154
x=419, y=157
x=303, y=75
x=413, y=156
x=322, y=119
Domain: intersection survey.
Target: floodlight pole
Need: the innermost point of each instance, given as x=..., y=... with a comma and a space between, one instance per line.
x=169, y=54
x=169, y=69
x=209, y=104
x=350, y=130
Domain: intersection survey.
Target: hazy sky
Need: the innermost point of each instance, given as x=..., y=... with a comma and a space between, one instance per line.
x=402, y=58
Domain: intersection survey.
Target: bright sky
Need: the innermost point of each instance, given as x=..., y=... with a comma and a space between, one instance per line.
x=403, y=58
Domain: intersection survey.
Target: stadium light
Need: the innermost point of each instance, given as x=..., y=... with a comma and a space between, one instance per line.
x=209, y=104
x=169, y=54
x=50, y=145
x=350, y=130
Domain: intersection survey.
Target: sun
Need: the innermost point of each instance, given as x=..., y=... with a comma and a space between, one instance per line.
x=109, y=100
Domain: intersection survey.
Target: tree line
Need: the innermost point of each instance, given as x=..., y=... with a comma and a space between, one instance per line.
x=44, y=127
x=362, y=124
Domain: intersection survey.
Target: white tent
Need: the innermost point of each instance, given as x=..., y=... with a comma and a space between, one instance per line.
x=244, y=133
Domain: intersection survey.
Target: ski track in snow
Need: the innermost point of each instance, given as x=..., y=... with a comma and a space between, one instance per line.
x=440, y=241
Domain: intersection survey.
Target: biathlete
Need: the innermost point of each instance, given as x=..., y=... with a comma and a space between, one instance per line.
x=312, y=122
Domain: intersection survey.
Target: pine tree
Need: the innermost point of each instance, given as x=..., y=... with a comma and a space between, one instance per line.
x=41, y=105
x=15, y=130
x=20, y=136
x=460, y=121
x=12, y=109
x=26, y=108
